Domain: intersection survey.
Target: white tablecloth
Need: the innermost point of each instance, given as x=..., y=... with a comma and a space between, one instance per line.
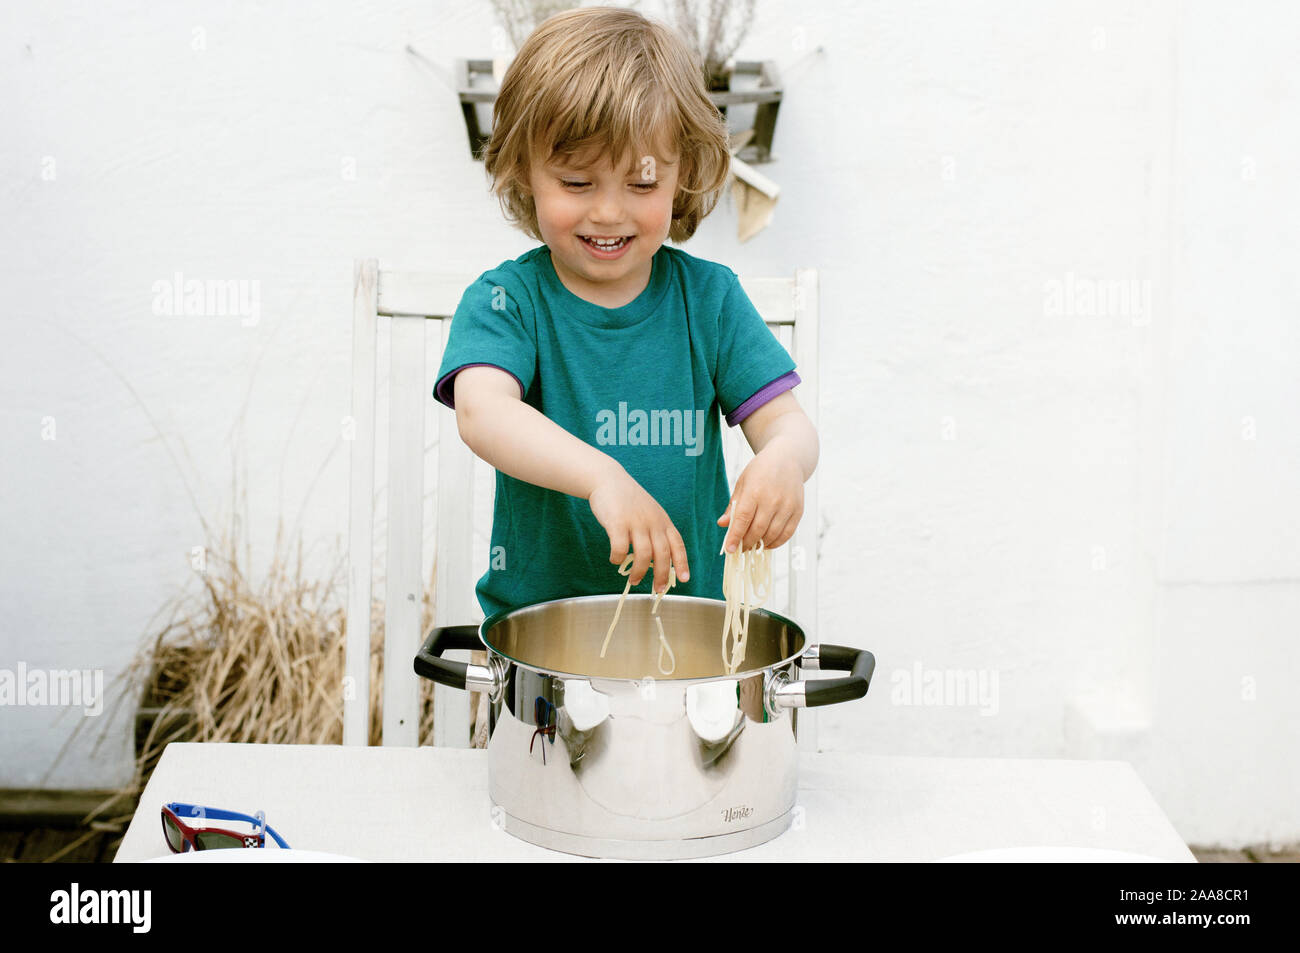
x=431, y=804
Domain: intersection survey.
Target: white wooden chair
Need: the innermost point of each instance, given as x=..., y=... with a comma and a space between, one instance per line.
x=410, y=300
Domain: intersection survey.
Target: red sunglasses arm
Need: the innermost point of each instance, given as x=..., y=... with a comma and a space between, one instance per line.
x=188, y=833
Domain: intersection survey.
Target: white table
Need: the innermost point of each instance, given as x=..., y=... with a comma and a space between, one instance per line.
x=431, y=804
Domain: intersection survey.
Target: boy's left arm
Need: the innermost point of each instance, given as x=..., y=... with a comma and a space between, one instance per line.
x=767, y=502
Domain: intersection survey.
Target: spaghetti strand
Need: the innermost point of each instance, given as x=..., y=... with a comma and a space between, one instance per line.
x=626, y=570
x=746, y=584
x=623, y=570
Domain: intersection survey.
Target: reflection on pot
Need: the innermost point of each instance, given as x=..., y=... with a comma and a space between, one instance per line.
x=624, y=752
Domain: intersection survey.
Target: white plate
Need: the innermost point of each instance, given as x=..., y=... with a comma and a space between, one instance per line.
x=254, y=855
x=1051, y=855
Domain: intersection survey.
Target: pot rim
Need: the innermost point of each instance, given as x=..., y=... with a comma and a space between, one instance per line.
x=738, y=675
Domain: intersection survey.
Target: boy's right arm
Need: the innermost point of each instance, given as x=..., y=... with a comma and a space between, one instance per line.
x=518, y=440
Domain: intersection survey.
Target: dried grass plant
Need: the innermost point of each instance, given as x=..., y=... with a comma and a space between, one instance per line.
x=519, y=18
x=714, y=29
x=242, y=661
x=714, y=33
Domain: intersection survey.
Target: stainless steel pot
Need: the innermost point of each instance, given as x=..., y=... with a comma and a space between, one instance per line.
x=609, y=757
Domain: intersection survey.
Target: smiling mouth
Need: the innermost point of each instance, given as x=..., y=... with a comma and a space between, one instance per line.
x=610, y=244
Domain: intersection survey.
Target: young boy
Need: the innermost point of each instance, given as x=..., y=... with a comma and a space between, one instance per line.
x=591, y=370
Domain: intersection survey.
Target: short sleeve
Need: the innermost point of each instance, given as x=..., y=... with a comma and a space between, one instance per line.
x=752, y=367
x=488, y=328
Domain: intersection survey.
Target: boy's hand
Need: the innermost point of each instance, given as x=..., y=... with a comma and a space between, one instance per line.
x=767, y=502
x=630, y=515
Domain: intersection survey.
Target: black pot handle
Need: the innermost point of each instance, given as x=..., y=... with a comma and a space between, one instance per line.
x=839, y=658
x=430, y=663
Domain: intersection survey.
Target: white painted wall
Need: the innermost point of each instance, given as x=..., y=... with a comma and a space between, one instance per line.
x=1097, y=509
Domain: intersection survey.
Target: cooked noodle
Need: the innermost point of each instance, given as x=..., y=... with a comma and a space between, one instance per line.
x=746, y=584
x=746, y=581
x=626, y=570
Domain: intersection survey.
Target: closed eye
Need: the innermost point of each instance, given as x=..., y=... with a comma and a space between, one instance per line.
x=636, y=185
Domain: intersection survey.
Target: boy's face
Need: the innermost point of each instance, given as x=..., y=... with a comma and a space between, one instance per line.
x=576, y=202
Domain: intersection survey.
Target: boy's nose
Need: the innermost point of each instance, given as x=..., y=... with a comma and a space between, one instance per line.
x=607, y=209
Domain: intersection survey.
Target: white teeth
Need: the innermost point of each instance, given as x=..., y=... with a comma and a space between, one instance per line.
x=599, y=243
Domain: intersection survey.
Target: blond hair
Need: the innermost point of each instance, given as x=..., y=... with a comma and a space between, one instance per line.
x=607, y=78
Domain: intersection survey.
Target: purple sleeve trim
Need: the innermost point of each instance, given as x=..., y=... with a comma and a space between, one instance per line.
x=446, y=393
x=778, y=386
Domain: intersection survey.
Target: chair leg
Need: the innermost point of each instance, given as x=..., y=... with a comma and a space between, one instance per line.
x=480, y=736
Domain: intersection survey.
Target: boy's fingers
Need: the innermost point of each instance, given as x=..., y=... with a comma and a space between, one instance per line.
x=758, y=528
x=679, y=556
x=782, y=529
x=741, y=518
x=642, y=553
x=663, y=561
x=618, y=545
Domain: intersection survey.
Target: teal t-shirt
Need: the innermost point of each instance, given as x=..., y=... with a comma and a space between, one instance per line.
x=645, y=383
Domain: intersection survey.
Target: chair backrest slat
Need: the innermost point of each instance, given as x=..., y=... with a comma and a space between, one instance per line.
x=773, y=298
x=420, y=293
x=404, y=588
x=360, y=429
x=454, y=599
